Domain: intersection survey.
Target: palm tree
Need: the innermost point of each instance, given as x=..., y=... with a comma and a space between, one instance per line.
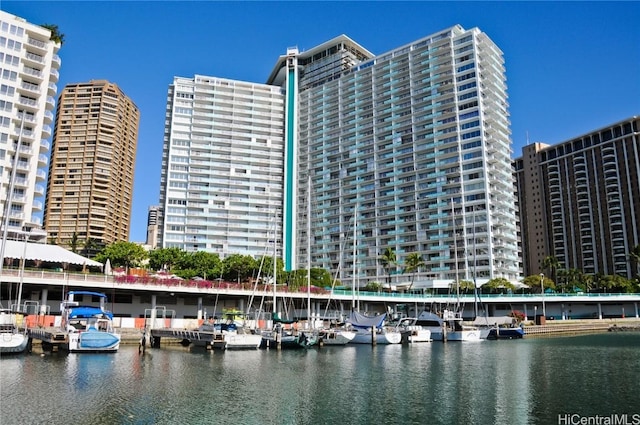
x=73, y=243
x=634, y=257
x=412, y=264
x=552, y=264
x=388, y=260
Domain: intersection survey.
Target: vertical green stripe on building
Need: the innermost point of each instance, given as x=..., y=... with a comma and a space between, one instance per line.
x=289, y=171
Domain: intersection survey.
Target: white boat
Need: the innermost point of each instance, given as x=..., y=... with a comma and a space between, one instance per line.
x=12, y=339
x=336, y=336
x=229, y=336
x=362, y=326
x=456, y=330
x=451, y=326
x=242, y=338
x=88, y=328
x=412, y=332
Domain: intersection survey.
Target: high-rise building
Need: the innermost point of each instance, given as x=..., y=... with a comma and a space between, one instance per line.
x=153, y=221
x=408, y=151
x=90, y=188
x=28, y=72
x=221, y=183
x=582, y=201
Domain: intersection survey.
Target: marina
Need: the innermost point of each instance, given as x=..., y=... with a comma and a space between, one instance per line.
x=530, y=381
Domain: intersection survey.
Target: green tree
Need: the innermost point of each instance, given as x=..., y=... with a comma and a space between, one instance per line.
x=56, y=35
x=616, y=283
x=373, y=287
x=90, y=247
x=552, y=264
x=199, y=263
x=412, y=264
x=535, y=283
x=239, y=267
x=320, y=277
x=73, y=243
x=123, y=254
x=389, y=261
x=499, y=284
x=165, y=258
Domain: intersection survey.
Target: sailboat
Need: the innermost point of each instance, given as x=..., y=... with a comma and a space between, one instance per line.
x=281, y=335
x=455, y=330
x=368, y=329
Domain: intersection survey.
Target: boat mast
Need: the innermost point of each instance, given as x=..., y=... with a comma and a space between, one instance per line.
x=309, y=251
x=455, y=254
x=275, y=260
x=353, y=273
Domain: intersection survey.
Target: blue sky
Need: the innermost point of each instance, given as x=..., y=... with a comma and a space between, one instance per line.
x=572, y=67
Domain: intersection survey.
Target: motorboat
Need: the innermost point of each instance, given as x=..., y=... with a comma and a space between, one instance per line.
x=412, y=332
x=449, y=326
x=88, y=328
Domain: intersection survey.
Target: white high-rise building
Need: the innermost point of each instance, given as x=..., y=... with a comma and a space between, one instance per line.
x=222, y=171
x=407, y=152
x=28, y=74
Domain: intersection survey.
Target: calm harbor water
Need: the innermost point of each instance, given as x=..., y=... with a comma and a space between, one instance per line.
x=530, y=381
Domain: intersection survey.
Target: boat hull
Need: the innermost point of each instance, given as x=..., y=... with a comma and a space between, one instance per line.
x=236, y=341
x=93, y=341
x=331, y=337
x=364, y=337
x=505, y=333
x=418, y=335
x=13, y=343
x=465, y=335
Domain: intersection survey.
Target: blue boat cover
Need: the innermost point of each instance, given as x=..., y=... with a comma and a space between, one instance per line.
x=87, y=311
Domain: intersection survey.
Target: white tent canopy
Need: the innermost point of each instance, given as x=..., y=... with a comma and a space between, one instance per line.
x=42, y=252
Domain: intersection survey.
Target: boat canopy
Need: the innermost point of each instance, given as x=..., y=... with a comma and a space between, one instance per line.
x=87, y=311
x=359, y=320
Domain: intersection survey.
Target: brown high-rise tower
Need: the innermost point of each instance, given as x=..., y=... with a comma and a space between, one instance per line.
x=90, y=182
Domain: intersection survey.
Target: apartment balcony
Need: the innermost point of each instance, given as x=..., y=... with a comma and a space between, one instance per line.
x=55, y=60
x=48, y=117
x=45, y=146
x=33, y=59
x=51, y=102
x=28, y=103
x=43, y=160
x=52, y=89
x=36, y=205
x=38, y=190
x=41, y=175
x=32, y=73
x=54, y=75
x=29, y=89
x=26, y=134
x=46, y=131
x=39, y=45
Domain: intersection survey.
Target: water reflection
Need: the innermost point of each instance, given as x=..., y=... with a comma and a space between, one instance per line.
x=501, y=382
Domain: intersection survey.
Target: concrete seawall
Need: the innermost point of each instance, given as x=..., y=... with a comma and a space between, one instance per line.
x=569, y=327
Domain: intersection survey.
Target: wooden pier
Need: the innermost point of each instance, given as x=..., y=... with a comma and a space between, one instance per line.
x=51, y=338
x=205, y=339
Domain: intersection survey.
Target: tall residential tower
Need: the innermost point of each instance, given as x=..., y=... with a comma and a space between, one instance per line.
x=28, y=72
x=90, y=190
x=407, y=151
x=221, y=183
x=582, y=198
